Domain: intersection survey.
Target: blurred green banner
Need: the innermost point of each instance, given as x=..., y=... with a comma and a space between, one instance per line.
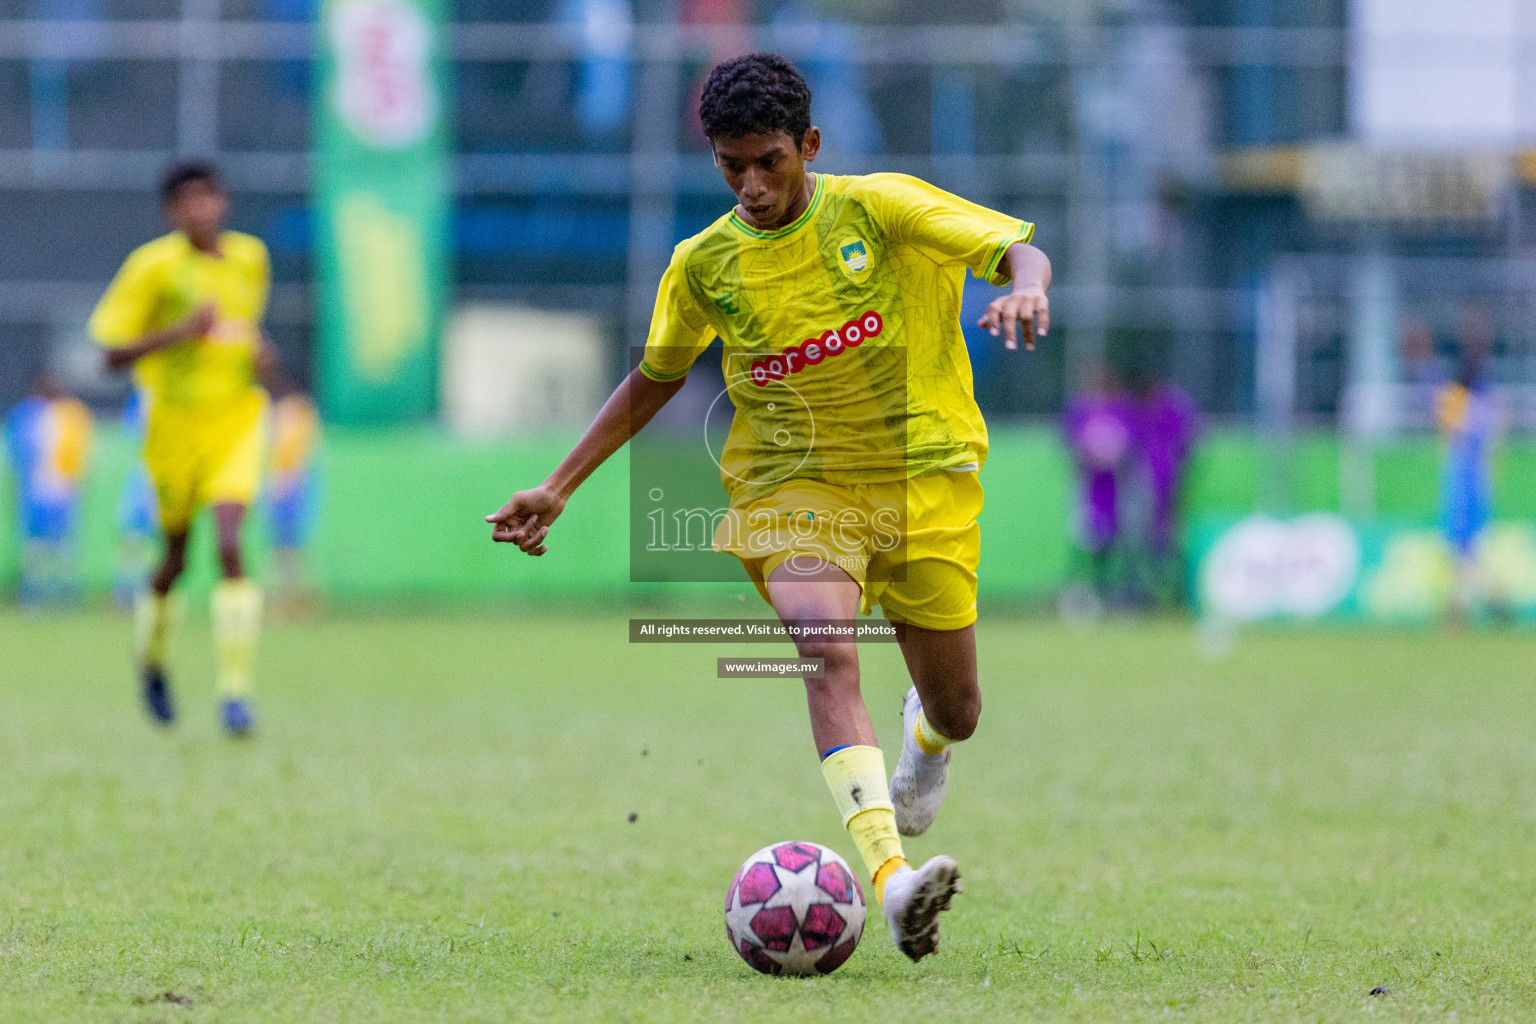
x=1322, y=566
x=381, y=208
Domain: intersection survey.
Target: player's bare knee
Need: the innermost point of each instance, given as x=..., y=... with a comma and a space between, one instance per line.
x=838, y=660
x=956, y=720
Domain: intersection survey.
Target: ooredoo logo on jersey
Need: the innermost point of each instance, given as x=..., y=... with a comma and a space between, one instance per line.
x=813, y=350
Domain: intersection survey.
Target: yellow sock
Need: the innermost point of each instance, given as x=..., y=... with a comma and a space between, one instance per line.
x=856, y=776
x=236, y=625
x=153, y=616
x=929, y=740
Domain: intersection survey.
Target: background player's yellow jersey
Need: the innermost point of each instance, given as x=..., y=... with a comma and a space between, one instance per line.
x=844, y=352
x=164, y=281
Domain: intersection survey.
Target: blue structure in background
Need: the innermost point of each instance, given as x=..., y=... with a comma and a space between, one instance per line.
x=843, y=111
x=49, y=79
x=603, y=73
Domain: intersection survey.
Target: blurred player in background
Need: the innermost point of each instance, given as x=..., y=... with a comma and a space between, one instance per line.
x=1099, y=426
x=137, y=532
x=48, y=439
x=1168, y=425
x=1470, y=415
x=838, y=296
x=293, y=496
x=185, y=313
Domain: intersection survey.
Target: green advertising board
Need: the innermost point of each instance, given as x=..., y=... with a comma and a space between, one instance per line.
x=382, y=194
x=1322, y=566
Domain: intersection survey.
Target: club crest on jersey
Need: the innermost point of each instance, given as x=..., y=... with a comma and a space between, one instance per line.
x=854, y=255
x=728, y=304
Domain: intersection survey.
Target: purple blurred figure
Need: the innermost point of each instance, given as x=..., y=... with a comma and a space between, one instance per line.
x=1168, y=427
x=1100, y=429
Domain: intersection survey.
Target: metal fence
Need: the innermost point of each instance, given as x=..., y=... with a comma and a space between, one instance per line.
x=1108, y=137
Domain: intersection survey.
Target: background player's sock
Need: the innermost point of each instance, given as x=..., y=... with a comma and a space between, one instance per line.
x=236, y=625
x=856, y=776
x=929, y=740
x=153, y=616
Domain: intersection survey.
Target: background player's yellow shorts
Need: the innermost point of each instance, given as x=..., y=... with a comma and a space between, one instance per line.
x=912, y=546
x=196, y=457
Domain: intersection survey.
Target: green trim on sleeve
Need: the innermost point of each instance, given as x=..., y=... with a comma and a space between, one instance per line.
x=1024, y=234
x=661, y=378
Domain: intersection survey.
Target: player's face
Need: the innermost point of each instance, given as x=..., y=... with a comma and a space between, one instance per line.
x=199, y=209
x=767, y=173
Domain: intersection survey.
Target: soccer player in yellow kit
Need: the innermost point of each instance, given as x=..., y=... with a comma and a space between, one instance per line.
x=853, y=457
x=185, y=313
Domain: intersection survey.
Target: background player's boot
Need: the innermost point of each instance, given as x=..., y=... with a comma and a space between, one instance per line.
x=914, y=899
x=157, y=694
x=237, y=717
x=917, y=787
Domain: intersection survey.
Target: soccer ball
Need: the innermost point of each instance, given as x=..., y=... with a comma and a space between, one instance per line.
x=794, y=908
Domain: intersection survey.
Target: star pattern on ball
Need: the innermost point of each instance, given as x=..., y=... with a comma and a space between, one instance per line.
x=797, y=892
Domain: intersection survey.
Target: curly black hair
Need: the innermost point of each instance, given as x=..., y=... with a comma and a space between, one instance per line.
x=757, y=94
x=183, y=173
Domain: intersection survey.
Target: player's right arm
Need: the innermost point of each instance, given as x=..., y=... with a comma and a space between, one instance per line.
x=196, y=325
x=679, y=332
x=525, y=520
x=120, y=321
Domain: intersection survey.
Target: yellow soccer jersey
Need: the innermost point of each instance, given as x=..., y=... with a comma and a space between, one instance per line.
x=164, y=281
x=844, y=352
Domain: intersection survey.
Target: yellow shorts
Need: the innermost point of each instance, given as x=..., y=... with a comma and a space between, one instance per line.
x=912, y=546
x=196, y=458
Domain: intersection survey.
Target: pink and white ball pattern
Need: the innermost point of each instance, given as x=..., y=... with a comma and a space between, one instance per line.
x=795, y=908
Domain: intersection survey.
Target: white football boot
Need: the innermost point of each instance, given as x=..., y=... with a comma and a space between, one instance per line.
x=914, y=899
x=917, y=786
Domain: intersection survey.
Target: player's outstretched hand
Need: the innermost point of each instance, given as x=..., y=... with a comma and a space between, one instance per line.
x=525, y=520
x=1026, y=310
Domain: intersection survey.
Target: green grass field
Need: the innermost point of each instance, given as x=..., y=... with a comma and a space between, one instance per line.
x=433, y=825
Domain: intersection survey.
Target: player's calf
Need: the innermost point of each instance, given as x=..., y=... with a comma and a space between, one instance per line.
x=922, y=773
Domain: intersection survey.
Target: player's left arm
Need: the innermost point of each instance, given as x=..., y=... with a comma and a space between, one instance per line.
x=1025, y=308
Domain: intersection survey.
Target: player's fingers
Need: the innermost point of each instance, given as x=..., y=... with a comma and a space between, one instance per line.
x=1042, y=318
x=538, y=550
x=529, y=543
x=507, y=532
x=527, y=526
x=502, y=514
x=510, y=529
x=989, y=320
x=1011, y=326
